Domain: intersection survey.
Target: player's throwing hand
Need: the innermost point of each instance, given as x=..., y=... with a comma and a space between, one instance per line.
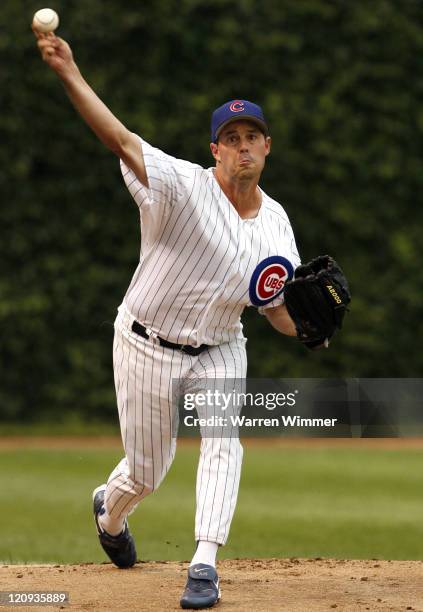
x=54, y=50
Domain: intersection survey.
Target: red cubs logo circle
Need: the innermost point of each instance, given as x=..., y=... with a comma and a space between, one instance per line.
x=269, y=278
x=237, y=106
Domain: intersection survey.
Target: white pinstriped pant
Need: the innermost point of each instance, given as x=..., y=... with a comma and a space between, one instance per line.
x=144, y=372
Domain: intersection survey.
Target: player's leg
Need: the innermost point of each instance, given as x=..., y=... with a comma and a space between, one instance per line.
x=221, y=369
x=224, y=369
x=148, y=420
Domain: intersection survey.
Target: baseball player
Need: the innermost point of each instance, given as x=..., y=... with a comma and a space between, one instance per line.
x=212, y=243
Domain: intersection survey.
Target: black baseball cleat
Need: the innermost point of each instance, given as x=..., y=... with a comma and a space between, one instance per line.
x=121, y=548
x=202, y=588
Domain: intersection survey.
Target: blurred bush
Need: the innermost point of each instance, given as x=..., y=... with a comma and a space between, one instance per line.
x=341, y=84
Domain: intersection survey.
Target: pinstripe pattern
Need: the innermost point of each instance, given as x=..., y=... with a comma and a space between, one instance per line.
x=197, y=255
x=143, y=377
x=191, y=285
x=224, y=368
x=143, y=380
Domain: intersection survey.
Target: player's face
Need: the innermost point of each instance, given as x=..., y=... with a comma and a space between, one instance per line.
x=241, y=150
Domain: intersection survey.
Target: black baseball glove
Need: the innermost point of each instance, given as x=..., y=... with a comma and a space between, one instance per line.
x=317, y=299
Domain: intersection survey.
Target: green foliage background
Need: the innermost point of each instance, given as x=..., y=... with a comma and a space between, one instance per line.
x=341, y=84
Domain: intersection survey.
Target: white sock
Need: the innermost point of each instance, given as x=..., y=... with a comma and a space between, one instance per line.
x=205, y=553
x=113, y=526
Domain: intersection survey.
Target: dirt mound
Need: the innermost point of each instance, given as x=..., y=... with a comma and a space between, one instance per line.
x=259, y=585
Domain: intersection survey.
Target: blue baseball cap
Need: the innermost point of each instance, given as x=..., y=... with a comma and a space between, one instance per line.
x=233, y=111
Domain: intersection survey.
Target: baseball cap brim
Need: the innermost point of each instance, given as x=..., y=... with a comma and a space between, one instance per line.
x=241, y=117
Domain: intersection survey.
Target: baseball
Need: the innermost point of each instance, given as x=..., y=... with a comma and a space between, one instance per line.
x=45, y=20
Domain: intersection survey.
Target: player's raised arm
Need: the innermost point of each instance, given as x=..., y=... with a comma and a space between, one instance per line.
x=112, y=133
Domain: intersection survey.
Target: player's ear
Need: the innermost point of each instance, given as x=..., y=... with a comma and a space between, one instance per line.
x=214, y=150
x=268, y=144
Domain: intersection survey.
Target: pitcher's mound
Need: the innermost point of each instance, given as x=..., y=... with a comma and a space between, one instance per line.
x=256, y=585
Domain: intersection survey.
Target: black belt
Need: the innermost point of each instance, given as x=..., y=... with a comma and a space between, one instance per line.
x=185, y=348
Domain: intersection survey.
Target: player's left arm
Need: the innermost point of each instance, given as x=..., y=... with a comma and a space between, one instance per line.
x=279, y=318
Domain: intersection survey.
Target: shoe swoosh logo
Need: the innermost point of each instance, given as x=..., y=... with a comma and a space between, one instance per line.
x=197, y=571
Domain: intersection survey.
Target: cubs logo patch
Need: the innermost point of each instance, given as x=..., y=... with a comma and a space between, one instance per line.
x=269, y=278
x=237, y=106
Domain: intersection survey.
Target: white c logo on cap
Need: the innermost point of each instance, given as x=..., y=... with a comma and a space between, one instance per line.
x=237, y=106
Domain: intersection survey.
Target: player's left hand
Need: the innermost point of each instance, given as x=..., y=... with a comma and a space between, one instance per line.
x=317, y=299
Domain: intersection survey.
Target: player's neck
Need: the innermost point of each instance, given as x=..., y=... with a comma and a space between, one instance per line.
x=245, y=196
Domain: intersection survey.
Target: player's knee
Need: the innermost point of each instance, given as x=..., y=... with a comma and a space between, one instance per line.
x=145, y=485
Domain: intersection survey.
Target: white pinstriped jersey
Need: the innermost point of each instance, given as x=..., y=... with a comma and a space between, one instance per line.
x=197, y=254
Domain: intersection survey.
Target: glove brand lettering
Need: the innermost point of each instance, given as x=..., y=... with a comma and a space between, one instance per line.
x=334, y=294
x=315, y=316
